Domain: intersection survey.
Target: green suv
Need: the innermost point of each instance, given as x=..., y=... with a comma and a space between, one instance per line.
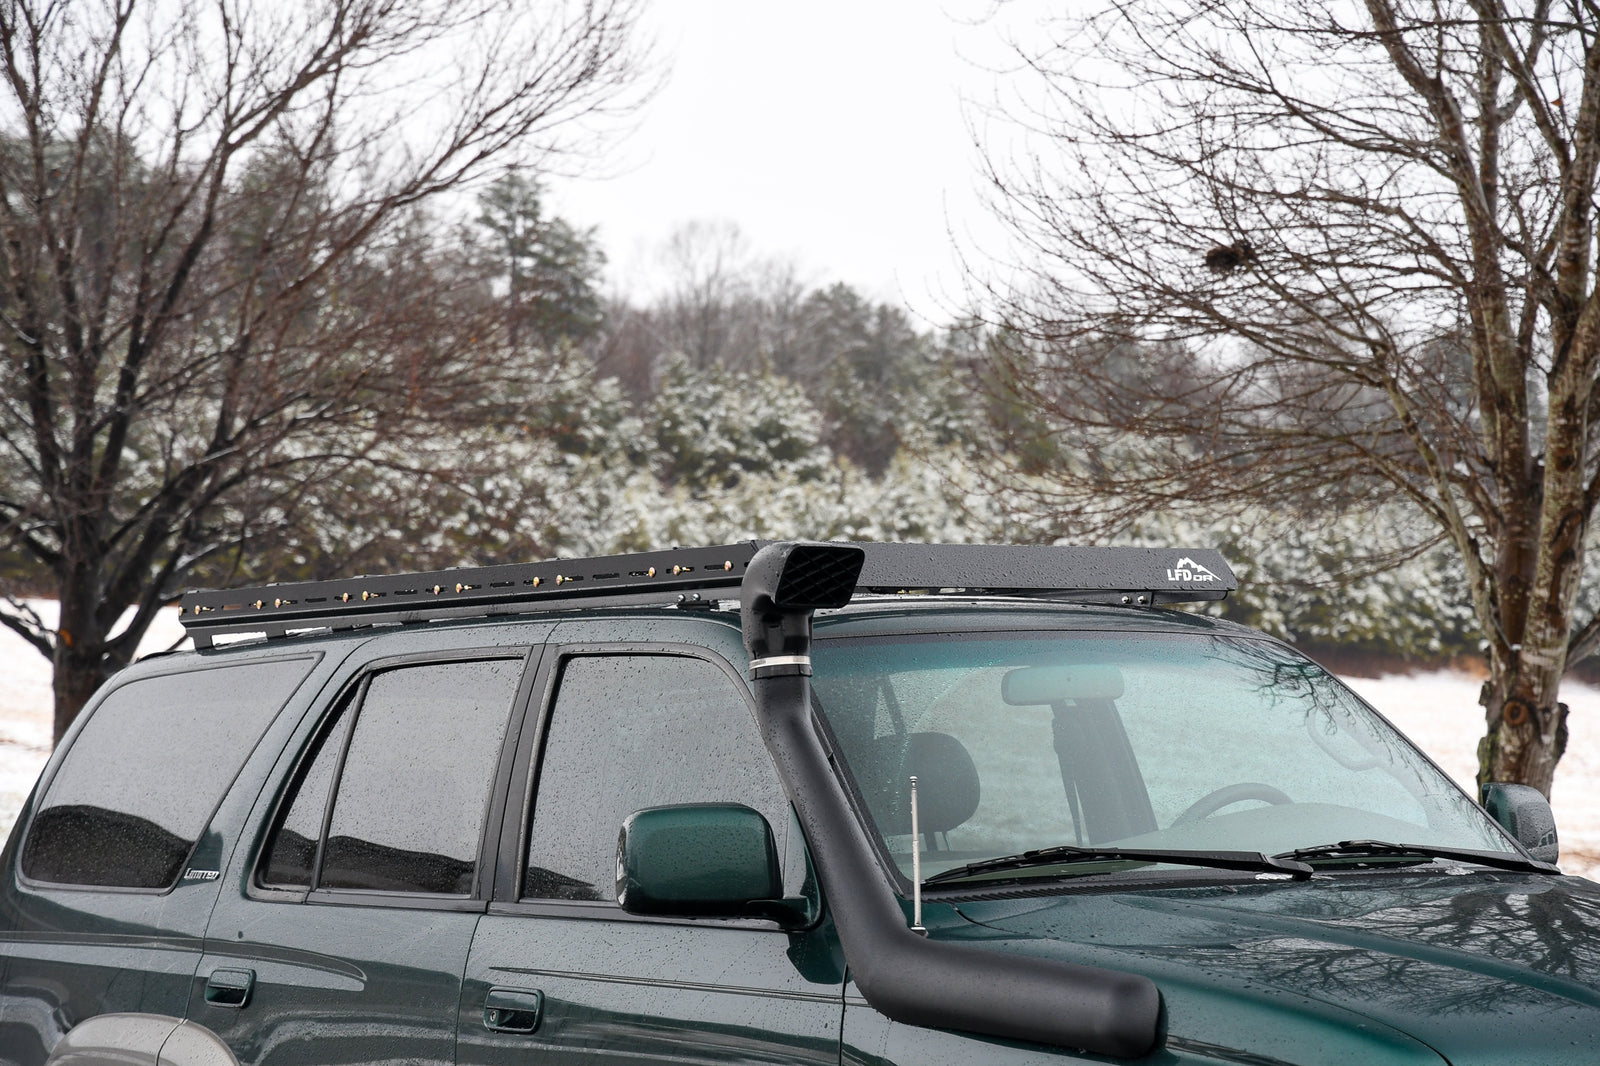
x=854, y=805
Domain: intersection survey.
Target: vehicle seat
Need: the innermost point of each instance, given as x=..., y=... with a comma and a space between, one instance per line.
x=947, y=782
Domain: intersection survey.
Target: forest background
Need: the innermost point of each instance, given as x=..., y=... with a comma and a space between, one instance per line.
x=744, y=402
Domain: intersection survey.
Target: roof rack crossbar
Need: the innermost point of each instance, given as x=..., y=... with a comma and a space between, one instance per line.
x=1135, y=576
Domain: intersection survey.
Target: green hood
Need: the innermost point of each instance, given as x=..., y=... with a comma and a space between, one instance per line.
x=1483, y=968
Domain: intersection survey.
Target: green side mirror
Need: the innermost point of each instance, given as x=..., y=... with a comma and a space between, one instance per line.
x=702, y=860
x=1523, y=812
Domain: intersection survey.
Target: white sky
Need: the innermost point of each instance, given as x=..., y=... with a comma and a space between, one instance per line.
x=834, y=134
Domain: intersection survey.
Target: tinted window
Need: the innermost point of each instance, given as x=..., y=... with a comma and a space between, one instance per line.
x=414, y=790
x=151, y=764
x=629, y=732
x=292, y=850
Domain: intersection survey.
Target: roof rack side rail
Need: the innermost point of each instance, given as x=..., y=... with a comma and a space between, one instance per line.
x=458, y=592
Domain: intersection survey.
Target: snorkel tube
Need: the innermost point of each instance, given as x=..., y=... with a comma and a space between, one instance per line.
x=903, y=974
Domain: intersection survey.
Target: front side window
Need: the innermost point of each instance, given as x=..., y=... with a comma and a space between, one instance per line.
x=1029, y=741
x=628, y=732
x=150, y=765
x=414, y=753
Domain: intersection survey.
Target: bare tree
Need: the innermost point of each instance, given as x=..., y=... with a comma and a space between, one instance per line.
x=218, y=294
x=1323, y=257
x=722, y=305
x=726, y=306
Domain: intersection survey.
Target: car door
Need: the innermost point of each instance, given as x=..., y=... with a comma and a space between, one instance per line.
x=119, y=854
x=558, y=972
x=344, y=937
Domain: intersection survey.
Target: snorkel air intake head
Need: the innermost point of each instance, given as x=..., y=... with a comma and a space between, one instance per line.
x=783, y=584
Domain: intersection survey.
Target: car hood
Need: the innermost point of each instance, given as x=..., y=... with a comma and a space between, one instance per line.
x=1480, y=967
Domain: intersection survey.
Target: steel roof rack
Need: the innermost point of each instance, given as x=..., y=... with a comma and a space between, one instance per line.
x=1135, y=576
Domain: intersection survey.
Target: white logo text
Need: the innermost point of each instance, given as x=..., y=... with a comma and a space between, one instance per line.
x=1189, y=570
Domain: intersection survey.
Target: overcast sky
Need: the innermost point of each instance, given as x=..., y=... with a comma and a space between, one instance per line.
x=833, y=133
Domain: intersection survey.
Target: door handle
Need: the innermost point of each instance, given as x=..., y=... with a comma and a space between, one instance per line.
x=512, y=1010
x=230, y=988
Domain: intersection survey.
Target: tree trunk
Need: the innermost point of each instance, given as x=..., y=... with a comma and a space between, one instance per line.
x=1526, y=732
x=1526, y=724
x=76, y=679
x=1521, y=744
x=82, y=660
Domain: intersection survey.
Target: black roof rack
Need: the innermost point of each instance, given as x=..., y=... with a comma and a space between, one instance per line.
x=1136, y=576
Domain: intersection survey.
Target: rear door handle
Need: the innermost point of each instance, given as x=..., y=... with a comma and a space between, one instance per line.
x=230, y=988
x=512, y=1010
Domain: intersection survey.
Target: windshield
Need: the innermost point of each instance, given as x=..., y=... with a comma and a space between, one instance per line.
x=1022, y=741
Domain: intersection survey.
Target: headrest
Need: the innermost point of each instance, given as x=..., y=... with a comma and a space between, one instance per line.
x=1029, y=686
x=947, y=782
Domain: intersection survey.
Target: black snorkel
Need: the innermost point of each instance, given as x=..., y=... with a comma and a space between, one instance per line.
x=905, y=976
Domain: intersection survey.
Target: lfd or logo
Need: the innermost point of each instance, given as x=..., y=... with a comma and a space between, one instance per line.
x=1189, y=570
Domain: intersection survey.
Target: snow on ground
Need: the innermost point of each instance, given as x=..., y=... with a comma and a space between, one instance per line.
x=1439, y=710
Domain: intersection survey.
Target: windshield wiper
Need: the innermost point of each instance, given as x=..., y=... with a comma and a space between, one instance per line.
x=1066, y=854
x=1378, y=849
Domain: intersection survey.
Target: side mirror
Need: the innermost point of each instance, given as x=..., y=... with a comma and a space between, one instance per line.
x=1523, y=812
x=702, y=860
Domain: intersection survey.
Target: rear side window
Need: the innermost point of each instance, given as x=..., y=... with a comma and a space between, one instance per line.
x=414, y=756
x=149, y=767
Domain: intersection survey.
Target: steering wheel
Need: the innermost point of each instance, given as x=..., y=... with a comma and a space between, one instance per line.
x=1214, y=801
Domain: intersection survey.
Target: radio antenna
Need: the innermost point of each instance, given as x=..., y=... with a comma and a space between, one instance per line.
x=916, y=865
